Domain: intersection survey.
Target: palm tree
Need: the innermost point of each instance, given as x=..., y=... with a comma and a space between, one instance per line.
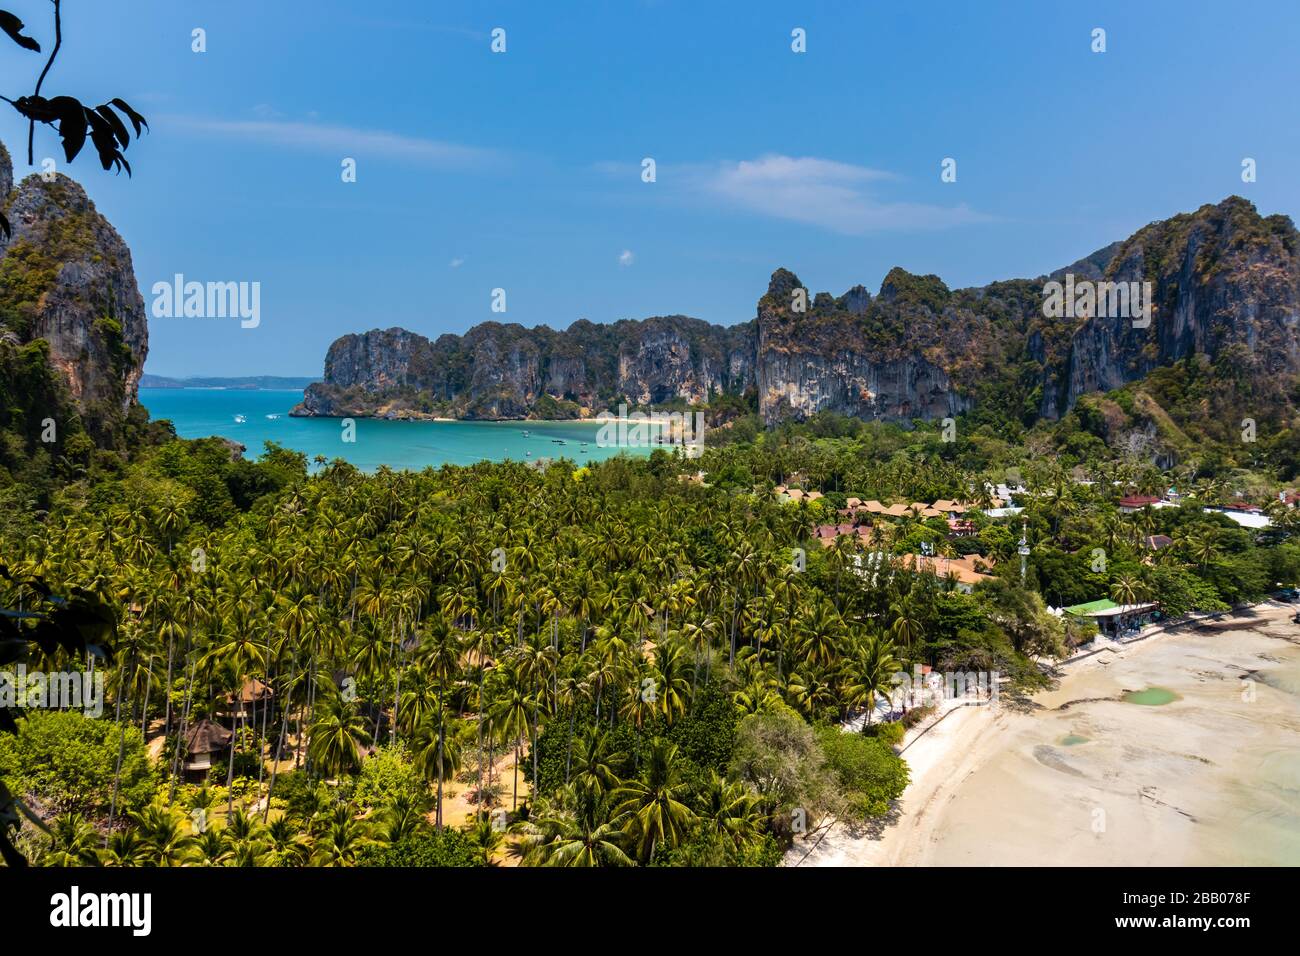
x=164, y=835
x=437, y=757
x=286, y=845
x=731, y=810
x=337, y=739
x=441, y=653
x=247, y=838
x=657, y=815
x=586, y=836
x=341, y=840
x=906, y=626
x=595, y=763
x=210, y=848
x=398, y=821
x=1201, y=549
x=872, y=673
x=511, y=713
x=487, y=836
x=125, y=848
x=821, y=629
x=1128, y=589
x=72, y=842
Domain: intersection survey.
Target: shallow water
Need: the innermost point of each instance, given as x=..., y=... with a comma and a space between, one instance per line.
x=1213, y=779
x=1151, y=697
x=200, y=412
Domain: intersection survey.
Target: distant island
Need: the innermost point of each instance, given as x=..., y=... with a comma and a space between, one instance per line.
x=250, y=382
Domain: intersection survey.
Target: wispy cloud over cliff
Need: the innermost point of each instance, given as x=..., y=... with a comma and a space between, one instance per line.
x=821, y=192
x=343, y=140
x=835, y=196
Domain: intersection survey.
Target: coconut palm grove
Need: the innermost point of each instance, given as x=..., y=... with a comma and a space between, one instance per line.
x=648, y=661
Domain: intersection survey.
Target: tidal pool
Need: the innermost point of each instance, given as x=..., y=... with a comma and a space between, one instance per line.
x=1151, y=697
x=1071, y=740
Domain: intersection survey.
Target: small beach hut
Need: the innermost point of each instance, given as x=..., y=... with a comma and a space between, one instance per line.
x=252, y=699
x=204, y=743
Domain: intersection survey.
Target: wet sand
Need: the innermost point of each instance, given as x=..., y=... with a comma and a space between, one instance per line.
x=1084, y=777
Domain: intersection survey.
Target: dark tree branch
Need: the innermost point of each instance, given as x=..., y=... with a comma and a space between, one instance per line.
x=58, y=42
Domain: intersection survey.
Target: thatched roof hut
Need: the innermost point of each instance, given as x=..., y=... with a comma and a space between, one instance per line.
x=203, y=740
x=207, y=737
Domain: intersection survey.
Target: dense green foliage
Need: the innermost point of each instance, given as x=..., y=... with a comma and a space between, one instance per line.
x=448, y=848
x=69, y=761
x=610, y=665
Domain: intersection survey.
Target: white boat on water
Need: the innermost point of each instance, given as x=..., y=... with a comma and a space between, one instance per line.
x=240, y=419
x=273, y=417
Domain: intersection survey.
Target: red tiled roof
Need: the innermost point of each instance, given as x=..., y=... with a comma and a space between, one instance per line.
x=1138, y=501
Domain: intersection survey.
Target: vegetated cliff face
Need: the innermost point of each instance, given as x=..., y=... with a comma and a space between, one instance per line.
x=886, y=358
x=507, y=371
x=68, y=296
x=1224, y=286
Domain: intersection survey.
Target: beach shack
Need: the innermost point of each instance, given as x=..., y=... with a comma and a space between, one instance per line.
x=252, y=700
x=1115, y=620
x=204, y=744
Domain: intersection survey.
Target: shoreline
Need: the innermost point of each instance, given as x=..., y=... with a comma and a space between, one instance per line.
x=1146, y=785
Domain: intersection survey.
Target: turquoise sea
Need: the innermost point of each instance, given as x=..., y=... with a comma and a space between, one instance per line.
x=200, y=412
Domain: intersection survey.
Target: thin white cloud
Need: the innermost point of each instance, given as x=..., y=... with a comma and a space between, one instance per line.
x=625, y=258
x=820, y=192
x=457, y=262
x=343, y=140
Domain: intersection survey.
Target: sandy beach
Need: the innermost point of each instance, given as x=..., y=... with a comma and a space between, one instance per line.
x=1202, y=767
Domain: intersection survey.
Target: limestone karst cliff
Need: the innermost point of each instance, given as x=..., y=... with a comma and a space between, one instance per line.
x=73, y=332
x=507, y=371
x=1223, y=281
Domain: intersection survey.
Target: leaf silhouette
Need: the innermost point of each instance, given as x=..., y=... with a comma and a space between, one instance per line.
x=136, y=119
x=119, y=128
x=72, y=124
x=105, y=140
x=11, y=25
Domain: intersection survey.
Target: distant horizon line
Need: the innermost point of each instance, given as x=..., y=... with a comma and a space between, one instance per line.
x=181, y=378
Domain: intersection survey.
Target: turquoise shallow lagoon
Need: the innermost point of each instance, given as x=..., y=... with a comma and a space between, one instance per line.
x=200, y=412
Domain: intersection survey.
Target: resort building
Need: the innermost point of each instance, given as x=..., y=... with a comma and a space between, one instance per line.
x=965, y=572
x=795, y=495
x=827, y=533
x=253, y=698
x=1115, y=620
x=1246, y=515
x=204, y=745
x=1131, y=503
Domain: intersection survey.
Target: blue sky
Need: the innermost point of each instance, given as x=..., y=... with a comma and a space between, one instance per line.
x=522, y=170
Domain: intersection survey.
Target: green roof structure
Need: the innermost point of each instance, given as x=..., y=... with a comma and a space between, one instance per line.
x=1092, y=607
